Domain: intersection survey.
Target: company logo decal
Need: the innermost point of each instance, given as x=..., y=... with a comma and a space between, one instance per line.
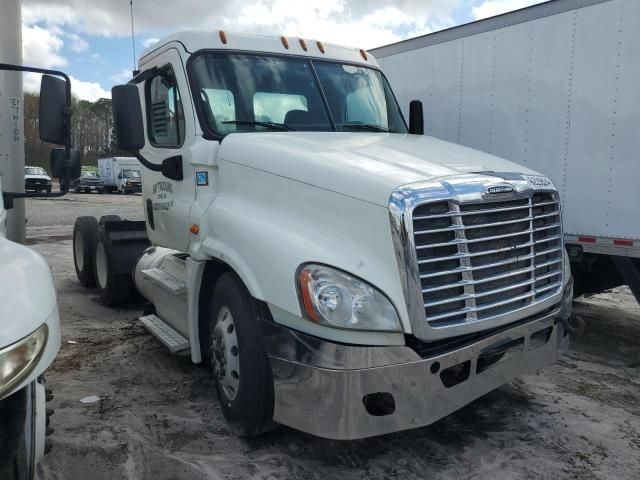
x=163, y=193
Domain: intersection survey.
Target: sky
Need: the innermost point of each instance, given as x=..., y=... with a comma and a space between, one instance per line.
x=91, y=40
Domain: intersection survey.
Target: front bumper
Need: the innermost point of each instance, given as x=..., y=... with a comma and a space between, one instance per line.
x=349, y=392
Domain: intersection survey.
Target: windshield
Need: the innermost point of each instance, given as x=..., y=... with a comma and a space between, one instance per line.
x=34, y=171
x=131, y=174
x=249, y=93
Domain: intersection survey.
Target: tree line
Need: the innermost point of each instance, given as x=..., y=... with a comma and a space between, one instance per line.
x=91, y=131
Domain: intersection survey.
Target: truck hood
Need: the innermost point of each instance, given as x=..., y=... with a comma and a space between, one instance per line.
x=367, y=166
x=27, y=293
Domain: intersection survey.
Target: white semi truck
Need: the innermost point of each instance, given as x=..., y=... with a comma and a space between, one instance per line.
x=553, y=87
x=29, y=320
x=120, y=174
x=342, y=273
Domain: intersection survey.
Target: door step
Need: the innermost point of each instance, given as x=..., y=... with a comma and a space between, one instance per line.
x=169, y=282
x=171, y=339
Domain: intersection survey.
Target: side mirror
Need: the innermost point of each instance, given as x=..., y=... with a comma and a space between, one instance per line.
x=53, y=110
x=416, y=118
x=127, y=117
x=58, y=166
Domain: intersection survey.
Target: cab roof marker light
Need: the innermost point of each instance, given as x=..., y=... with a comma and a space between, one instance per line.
x=363, y=53
x=285, y=42
x=320, y=46
x=303, y=44
x=223, y=37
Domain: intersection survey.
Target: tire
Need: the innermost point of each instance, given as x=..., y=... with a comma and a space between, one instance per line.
x=114, y=289
x=84, y=232
x=48, y=189
x=109, y=218
x=246, y=397
x=77, y=189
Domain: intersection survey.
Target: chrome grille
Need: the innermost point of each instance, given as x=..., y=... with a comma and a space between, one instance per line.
x=479, y=260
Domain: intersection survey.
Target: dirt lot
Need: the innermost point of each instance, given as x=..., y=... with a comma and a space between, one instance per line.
x=158, y=417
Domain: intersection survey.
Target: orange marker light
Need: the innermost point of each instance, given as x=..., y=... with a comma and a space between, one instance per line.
x=320, y=47
x=223, y=37
x=195, y=229
x=285, y=42
x=303, y=44
x=305, y=279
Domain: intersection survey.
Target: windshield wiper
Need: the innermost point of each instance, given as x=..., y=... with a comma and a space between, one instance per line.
x=365, y=126
x=271, y=125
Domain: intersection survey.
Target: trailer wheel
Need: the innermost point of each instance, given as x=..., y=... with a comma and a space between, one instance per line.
x=239, y=364
x=109, y=218
x=84, y=232
x=114, y=289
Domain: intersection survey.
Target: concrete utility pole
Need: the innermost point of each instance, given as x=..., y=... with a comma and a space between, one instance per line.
x=12, y=115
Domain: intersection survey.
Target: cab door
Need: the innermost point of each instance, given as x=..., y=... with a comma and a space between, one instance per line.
x=170, y=129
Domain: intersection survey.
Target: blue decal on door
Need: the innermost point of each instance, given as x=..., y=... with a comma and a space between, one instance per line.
x=202, y=178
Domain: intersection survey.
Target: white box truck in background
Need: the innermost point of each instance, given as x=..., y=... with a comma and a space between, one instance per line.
x=555, y=88
x=121, y=174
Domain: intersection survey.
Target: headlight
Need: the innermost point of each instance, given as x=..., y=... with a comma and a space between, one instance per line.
x=336, y=299
x=17, y=361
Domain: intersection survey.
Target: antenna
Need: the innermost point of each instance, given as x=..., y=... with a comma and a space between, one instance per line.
x=133, y=37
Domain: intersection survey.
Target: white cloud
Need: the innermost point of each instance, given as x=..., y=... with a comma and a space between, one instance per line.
x=81, y=90
x=490, y=8
x=78, y=44
x=122, y=76
x=147, y=42
x=364, y=23
x=41, y=47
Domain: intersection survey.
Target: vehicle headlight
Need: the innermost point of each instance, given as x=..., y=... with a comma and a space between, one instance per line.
x=17, y=361
x=336, y=299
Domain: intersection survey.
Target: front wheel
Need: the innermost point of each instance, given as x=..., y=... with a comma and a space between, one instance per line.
x=239, y=364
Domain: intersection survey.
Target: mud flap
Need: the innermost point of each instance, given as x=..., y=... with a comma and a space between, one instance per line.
x=630, y=273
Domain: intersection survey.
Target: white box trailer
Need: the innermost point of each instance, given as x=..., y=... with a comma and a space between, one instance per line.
x=554, y=87
x=120, y=174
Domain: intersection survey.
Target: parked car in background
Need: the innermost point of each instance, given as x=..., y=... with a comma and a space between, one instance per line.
x=36, y=179
x=89, y=182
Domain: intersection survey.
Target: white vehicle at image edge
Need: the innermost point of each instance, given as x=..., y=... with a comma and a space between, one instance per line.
x=29, y=341
x=342, y=273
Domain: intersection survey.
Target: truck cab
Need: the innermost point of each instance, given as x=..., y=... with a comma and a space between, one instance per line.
x=342, y=273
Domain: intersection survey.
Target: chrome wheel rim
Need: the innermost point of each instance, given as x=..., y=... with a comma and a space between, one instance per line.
x=226, y=354
x=78, y=250
x=101, y=265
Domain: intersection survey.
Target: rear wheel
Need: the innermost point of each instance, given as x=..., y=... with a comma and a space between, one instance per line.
x=109, y=218
x=239, y=364
x=84, y=232
x=114, y=289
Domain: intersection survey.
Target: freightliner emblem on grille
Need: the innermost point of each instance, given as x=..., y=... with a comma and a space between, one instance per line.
x=503, y=188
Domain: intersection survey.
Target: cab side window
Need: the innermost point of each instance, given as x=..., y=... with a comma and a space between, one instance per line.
x=165, y=115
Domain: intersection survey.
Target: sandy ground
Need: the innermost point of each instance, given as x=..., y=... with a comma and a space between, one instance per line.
x=158, y=416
